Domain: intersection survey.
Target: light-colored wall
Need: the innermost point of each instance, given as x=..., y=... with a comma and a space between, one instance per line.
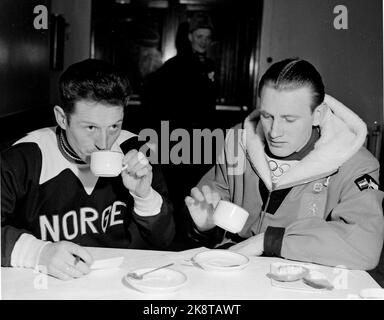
x=350, y=61
x=77, y=13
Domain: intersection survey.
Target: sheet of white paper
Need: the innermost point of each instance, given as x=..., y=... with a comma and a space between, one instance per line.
x=107, y=263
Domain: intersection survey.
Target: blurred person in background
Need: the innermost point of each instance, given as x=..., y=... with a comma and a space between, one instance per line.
x=183, y=89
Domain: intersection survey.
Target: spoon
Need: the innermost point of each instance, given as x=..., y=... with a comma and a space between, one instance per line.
x=136, y=276
x=318, y=284
x=317, y=280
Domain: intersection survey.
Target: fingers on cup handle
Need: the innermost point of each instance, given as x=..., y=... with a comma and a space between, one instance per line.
x=142, y=158
x=142, y=172
x=136, y=163
x=207, y=192
x=196, y=194
x=212, y=197
x=130, y=159
x=189, y=201
x=215, y=199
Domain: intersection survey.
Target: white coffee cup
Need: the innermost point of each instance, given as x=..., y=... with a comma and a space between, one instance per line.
x=107, y=163
x=230, y=216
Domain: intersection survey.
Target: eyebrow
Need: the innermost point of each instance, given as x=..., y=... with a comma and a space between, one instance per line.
x=282, y=116
x=95, y=124
x=290, y=115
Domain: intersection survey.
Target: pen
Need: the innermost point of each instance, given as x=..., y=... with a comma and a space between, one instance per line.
x=77, y=259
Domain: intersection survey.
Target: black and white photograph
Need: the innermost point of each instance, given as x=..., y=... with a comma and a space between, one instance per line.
x=196, y=156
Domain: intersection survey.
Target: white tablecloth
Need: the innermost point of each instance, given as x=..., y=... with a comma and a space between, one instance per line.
x=247, y=284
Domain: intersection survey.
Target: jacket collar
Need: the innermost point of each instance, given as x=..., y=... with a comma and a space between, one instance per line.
x=342, y=135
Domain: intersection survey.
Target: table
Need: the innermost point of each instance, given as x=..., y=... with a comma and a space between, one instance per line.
x=251, y=283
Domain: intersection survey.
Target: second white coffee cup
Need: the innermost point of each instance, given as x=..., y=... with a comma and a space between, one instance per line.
x=230, y=216
x=107, y=163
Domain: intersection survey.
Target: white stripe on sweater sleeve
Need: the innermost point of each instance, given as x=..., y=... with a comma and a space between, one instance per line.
x=148, y=206
x=26, y=252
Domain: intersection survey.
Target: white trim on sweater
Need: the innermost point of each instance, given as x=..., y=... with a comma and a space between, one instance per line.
x=27, y=250
x=148, y=206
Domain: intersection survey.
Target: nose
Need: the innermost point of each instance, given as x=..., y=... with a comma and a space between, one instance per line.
x=276, y=129
x=205, y=41
x=101, y=142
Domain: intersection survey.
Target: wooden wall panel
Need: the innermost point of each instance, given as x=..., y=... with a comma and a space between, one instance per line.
x=24, y=58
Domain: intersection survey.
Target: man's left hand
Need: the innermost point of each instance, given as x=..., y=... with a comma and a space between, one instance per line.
x=253, y=246
x=137, y=178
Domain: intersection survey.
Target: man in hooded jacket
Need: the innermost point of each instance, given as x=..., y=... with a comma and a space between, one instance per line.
x=298, y=166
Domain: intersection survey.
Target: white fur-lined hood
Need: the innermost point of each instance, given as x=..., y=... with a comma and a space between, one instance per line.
x=342, y=135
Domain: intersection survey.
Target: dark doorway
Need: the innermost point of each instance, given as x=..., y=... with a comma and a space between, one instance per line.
x=140, y=35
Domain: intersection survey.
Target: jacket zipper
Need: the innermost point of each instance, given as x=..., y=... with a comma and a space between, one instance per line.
x=269, y=196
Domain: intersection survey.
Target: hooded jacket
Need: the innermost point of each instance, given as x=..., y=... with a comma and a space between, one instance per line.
x=326, y=209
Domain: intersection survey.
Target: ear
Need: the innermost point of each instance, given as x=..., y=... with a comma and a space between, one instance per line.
x=190, y=36
x=61, y=117
x=318, y=114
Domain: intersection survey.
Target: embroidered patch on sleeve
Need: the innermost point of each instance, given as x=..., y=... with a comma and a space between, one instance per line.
x=366, y=182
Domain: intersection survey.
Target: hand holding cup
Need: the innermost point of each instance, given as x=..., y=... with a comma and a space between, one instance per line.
x=201, y=205
x=134, y=168
x=208, y=211
x=137, y=177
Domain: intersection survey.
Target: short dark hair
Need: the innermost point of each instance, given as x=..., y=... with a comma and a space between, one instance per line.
x=294, y=73
x=200, y=20
x=93, y=80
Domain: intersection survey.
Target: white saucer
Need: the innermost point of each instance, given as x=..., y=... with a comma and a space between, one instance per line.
x=372, y=293
x=160, y=281
x=221, y=260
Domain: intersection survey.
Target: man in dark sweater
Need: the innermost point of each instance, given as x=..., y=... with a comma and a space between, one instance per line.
x=52, y=206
